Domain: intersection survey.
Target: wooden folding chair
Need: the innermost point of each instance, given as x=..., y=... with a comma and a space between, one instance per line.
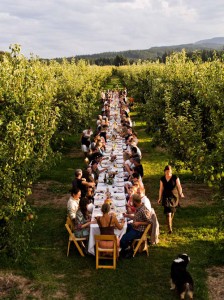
x=102, y=253
x=143, y=240
x=73, y=238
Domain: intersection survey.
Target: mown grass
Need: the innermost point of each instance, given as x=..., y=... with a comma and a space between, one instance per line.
x=56, y=276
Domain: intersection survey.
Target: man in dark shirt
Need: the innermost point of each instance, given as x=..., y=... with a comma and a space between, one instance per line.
x=81, y=183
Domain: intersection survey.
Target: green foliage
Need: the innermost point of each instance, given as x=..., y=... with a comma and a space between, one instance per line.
x=182, y=102
x=27, y=89
x=77, y=96
x=39, y=104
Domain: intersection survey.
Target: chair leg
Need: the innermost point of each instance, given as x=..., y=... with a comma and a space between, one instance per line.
x=79, y=249
x=97, y=259
x=114, y=258
x=136, y=249
x=69, y=242
x=146, y=248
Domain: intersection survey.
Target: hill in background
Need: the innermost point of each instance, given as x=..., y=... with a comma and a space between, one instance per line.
x=153, y=53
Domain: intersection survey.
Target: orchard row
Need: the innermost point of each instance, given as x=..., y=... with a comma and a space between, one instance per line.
x=39, y=104
x=182, y=102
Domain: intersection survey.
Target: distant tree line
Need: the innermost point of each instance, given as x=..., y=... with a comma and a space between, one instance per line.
x=122, y=60
x=118, y=60
x=133, y=56
x=205, y=55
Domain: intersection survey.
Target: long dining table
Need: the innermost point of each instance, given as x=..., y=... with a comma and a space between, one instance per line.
x=108, y=186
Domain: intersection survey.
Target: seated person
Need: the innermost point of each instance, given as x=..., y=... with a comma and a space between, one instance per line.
x=90, y=194
x=82, y=219
x=89, y=177
x=73, y=203
x=99, y=120
x=135, y=179
x=103, y=132
x=100, y=147
x=85, y=140
x=124, y=130
x=141, y=219
x=95, y=138
x=107, y=123
x=145, y=200
x=107, y=223
x=128, y=166
x=135, y=138
x=128, y=134
x=81, y=182
x=87, y=174
x=138, y=168
x=94, y=153
x=130, y=207
x=135, y=151
x=96, y=171
x=129, y=145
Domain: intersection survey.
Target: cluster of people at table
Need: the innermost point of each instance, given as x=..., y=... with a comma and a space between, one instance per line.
x=81, y=202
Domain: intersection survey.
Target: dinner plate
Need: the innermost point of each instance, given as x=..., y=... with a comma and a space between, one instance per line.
x=121, y=210
x=120, y=184
x=99, y=197
x=119, y=197
x=119, y=180
x=101, y=181
x=120, y=175
x=119, y=166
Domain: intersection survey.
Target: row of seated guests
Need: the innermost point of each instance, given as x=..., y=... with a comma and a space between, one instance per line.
x=81, y=218
x=100, y=136
x=134, y=187
x=94, y=151
x=98, y=147
x=97, y=139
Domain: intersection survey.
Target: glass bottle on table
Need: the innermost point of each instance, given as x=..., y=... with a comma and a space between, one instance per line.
x=105, y=178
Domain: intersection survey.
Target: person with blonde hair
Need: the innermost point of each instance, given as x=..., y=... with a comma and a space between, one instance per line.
x=107, y=223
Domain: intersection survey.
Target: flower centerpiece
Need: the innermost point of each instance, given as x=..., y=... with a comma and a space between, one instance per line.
x=108, y=201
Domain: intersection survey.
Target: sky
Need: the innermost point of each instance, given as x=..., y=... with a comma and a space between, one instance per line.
x=65, y=28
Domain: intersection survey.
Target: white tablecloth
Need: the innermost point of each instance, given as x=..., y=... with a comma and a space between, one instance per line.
x=116, y=144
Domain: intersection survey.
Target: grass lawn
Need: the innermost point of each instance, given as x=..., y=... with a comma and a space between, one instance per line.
x=49, y=274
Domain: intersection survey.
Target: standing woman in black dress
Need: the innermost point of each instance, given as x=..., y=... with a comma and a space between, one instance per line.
x=169, y=192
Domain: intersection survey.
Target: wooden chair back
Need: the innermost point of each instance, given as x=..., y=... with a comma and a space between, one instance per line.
x=106, y=253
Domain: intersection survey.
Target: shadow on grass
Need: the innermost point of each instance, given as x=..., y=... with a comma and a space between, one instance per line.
x=63, y=171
